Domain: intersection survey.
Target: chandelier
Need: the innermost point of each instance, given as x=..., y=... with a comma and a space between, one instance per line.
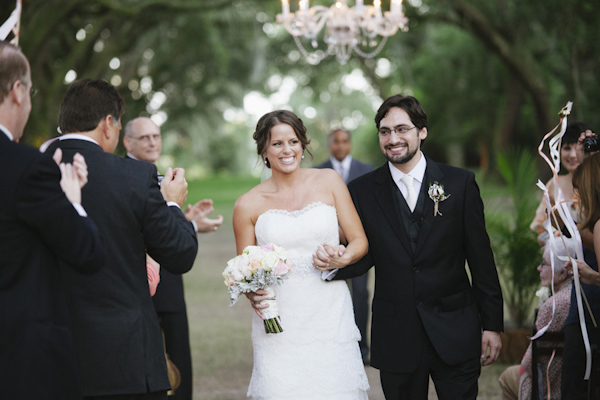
x=347, y=29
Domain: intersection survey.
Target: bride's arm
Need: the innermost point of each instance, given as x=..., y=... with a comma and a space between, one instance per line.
x=243, y=229
x=243, y=226
x=350, y=224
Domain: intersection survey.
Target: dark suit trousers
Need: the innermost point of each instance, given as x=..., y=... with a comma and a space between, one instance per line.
x=360, y=300
x=140, y=396
x=177, y=343
x=452, y=382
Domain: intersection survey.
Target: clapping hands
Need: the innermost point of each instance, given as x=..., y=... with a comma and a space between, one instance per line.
x=73, y=177
x=199, y=214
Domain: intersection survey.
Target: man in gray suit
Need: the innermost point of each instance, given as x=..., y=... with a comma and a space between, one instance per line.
x=350, y=168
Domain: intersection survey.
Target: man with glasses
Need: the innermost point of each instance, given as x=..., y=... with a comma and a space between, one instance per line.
x=143, y=142
x=39, y=227
x=424, y=221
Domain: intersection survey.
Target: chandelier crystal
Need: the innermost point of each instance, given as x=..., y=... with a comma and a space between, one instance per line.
x=347, y=29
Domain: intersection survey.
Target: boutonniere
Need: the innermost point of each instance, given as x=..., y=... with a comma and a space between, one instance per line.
x=436, y=193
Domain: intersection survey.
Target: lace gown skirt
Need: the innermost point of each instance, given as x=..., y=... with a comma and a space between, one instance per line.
x=317, y=356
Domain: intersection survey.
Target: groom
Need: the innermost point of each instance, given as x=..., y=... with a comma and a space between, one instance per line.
x=429, y=319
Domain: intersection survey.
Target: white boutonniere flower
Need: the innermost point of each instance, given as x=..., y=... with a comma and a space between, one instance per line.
x=436, y=193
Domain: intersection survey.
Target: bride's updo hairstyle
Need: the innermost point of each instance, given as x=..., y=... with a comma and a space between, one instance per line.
x=262, y=135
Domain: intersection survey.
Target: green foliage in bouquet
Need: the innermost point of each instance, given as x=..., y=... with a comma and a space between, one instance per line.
x=515, y=246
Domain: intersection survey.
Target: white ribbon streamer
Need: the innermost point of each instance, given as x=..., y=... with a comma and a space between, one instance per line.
x=12, y=24
x=565, y=215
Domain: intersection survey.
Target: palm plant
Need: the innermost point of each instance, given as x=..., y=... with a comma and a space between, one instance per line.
x=515, y=246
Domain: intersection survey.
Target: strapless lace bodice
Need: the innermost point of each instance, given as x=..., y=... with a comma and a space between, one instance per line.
x=320, y=336
x=299, y=232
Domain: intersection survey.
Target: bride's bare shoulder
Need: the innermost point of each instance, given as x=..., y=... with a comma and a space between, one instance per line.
x=250, y=202
x=325, y=176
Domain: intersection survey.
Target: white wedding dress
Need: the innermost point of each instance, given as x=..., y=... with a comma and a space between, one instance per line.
x=317, y=355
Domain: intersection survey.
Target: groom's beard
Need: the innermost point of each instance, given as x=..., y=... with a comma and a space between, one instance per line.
x=400, y=158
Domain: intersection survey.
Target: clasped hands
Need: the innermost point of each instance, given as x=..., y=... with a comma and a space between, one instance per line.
x=326, y=257
x=329, y=257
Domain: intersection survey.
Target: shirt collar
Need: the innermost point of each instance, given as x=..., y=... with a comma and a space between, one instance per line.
x=132, y=156
x=418, y=172
x=7, y=132
x=345, y=163
x=77, y=136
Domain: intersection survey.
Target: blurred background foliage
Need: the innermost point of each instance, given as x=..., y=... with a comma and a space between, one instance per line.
x=490, y=74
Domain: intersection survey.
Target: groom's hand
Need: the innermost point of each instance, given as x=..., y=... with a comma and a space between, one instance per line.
x=491, y=340
x=255, y=301
x=329, y=257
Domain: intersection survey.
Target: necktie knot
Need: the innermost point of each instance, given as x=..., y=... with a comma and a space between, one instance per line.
x=411, y=197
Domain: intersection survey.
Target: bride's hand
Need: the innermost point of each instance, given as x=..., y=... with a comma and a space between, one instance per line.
x=255, y=301
x=329, y=257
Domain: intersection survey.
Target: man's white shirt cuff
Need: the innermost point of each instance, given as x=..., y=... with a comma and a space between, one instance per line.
x=328, y=275
x=80, y=210
x=172, y=203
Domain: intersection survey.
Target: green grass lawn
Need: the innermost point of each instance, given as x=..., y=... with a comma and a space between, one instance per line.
x=219, y=334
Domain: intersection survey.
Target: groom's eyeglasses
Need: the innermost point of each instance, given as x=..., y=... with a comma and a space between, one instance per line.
x=399, y=130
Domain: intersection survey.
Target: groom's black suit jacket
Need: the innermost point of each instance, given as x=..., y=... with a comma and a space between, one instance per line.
x=38, y=227
x=117, y=336
x=428, y=287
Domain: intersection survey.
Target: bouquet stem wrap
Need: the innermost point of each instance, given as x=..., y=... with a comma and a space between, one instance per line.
x=272, y=320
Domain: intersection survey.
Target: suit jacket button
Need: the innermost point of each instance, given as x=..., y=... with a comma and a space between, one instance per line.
x=419, y=302
x=415, y=269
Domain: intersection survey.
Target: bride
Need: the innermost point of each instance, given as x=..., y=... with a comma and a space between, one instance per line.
x=317, y=355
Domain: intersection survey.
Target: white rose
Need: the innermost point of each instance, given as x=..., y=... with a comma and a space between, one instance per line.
x=270, y=260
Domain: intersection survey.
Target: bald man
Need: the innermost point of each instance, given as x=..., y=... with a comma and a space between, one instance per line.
x=142, y=140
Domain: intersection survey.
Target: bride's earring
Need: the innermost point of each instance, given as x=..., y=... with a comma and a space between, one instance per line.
x=303, y=155
x=267, y=163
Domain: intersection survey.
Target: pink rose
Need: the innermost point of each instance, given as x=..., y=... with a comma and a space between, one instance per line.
x=267, y=247
x=281, y=269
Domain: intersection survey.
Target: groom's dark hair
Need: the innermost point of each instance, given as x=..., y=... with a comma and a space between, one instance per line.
x=262, y=135
x=409, y=104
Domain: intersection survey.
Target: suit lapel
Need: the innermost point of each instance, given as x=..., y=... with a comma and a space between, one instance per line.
x=432, y=174
x=385, y=197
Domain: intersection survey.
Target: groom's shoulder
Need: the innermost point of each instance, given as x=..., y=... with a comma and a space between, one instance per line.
x=368, y=178
x=452, y=171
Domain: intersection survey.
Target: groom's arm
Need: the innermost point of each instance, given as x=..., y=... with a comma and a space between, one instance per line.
x=485, y=283
x=364, y=264
x=357, y=269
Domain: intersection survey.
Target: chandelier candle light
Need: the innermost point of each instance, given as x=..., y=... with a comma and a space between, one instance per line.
x=347, y=29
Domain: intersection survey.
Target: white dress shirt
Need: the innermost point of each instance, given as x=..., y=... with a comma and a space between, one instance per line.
x=418, y=173
x=342, y=167
x=7, y=132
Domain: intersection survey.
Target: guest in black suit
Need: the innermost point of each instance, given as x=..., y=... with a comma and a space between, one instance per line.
x=117, y=336
x=349, y=169
x=429, y=319
x=38, y=227
x=144, y=143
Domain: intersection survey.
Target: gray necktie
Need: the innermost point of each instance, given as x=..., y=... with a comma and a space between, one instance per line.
x=411, y=198
x=343, y=173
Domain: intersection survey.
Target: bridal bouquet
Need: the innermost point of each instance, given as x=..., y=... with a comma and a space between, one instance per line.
x=258, y=267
